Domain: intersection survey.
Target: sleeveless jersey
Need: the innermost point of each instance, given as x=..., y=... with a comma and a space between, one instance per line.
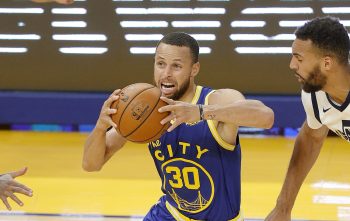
x=322, y=110
x=200, y=172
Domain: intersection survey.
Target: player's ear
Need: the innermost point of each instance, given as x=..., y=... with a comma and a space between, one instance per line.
x=195, y=69
x=328, y=62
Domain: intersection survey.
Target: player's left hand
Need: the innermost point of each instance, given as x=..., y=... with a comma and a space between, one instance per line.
x=180, y=112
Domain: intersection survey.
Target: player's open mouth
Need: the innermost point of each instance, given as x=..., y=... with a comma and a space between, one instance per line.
x=167, y=88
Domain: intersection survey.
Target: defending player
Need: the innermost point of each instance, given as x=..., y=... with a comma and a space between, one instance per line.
x=320, y=61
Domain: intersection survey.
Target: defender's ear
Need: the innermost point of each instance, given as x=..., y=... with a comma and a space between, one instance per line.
x=328, y=62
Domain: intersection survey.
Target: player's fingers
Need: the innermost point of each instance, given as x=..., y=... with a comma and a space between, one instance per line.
x=110, y=100
x=116, y=92
x=17, y=185
x=112, y=123
x=113, y=97
x=111, y=111
x=4, y=200
x=22, y=191
x=167, y=119
x=18, y=172
x=174, y=125
x=15, y=198
x=167, y=108
x=168, y=100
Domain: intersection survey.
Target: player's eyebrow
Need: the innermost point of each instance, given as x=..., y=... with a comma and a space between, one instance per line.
x=297, y=54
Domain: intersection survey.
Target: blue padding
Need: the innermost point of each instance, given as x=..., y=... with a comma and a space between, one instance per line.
x=289, y=111
x=83, y=108
x=50, y=107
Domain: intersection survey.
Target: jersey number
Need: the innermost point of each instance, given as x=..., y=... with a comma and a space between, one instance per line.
x=181, y=177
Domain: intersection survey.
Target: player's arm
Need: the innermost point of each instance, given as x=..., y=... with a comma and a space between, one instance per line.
x=102, y=144
x=307, y=148
x=230, y=106
x=225, y=105
x=65, y=2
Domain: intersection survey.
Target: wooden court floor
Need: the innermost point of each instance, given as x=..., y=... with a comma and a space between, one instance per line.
x=128, y=185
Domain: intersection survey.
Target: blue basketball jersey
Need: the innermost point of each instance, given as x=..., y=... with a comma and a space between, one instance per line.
x=200, y=172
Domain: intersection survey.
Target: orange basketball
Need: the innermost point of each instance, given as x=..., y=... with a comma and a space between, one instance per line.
x=137, y=118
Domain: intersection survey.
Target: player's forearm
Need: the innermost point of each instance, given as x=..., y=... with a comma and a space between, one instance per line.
x=305, y=153
x=249, y=113
x=95, y=150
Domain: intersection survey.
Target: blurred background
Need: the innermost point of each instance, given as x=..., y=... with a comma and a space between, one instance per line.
x=102, y=45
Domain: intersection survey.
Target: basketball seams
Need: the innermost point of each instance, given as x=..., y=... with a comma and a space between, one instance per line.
x=147, y=115
x=126, y=107
x=161, y=129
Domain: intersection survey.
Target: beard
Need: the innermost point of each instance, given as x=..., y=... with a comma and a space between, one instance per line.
x=315, y=81
x=183, y=88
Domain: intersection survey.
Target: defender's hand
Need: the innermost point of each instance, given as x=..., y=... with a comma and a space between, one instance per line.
x=180, y=112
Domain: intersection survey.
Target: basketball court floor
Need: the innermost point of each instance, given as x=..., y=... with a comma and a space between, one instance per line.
x=128, y=185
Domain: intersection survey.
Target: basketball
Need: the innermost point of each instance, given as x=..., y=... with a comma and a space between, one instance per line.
x=137, y=117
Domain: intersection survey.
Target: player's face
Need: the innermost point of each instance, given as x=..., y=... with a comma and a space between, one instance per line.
x=306, y=62
x=174, y=70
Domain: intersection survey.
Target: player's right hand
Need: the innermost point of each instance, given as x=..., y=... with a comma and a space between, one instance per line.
x=105, y=121
x=9, y=186
x=278, y=215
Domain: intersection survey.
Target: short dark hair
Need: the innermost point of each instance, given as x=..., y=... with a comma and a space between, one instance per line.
x=182, y=39
x=327, y=34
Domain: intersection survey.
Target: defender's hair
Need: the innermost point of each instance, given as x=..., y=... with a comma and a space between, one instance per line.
x=327, y=34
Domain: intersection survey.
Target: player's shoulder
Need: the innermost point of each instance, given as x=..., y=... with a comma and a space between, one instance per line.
x=306, y=97
x=309, y=97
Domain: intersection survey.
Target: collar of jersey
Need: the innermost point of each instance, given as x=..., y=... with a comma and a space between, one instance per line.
x=197, y=94
x=342, y=106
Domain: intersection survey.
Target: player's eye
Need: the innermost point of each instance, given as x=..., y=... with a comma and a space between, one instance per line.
x=177, y=66
x=160, y=63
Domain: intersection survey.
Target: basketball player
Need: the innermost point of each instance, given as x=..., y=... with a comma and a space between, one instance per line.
x=199, y=158
x=8, y=186
x=320, y=61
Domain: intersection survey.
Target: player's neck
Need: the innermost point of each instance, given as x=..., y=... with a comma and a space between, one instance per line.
x=188, y=96
x=338, y=85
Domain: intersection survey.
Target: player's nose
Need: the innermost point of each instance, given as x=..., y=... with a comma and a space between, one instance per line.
x=293, y=65
x=167, y=72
